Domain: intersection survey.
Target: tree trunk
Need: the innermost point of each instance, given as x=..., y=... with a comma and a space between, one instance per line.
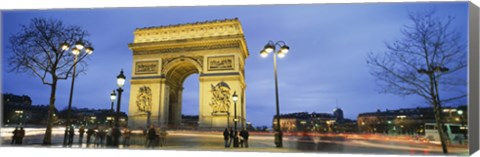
x=439, y=116
x=437, y=111
x=440, y=125
x=47, y=139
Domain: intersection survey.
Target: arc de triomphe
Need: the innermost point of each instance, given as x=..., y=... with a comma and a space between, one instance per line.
x=164, y=56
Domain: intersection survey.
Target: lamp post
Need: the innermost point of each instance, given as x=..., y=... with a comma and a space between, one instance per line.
x=113, y=96
x=460, y=113
x=235, y=99
x=78, y=47
x=116, y=130
x=270, y=47
x=430, y=72
x=120, y=83
x=389, y=122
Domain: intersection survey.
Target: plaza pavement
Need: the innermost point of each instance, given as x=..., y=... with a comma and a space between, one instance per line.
x=213, y=141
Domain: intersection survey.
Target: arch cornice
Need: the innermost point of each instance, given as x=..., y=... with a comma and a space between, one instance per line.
x=191, y=45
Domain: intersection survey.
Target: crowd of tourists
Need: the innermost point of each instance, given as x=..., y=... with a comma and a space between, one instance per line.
x=18, y=135
x=232, y=137
x=111, y=137
x=155, y=137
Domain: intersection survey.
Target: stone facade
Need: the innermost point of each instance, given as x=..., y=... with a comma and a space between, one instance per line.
x=163, y=57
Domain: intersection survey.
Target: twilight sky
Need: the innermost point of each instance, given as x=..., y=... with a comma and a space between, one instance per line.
x=328, y=47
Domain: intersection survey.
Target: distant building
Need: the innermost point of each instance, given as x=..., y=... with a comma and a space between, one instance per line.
x=12, y=99
x=338, y=114
x=316, y=122
x=91, y=117
x=189, y=122
x=406, y=121
x=18, y=110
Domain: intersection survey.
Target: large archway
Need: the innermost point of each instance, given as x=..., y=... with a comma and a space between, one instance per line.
x=175, y=74
x=190, y=103
x=163, y=57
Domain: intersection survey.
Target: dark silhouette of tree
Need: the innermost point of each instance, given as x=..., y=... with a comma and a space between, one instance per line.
x=37, y=50
x=428, y=55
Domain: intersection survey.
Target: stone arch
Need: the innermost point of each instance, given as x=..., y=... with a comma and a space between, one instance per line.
x=169, y=64
x=175, y=71
x=164, y=60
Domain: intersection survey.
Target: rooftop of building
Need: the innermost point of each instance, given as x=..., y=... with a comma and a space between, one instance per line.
x=305, y=115
x=407, y=111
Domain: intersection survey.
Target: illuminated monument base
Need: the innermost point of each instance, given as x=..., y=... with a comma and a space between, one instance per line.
x=163, y=57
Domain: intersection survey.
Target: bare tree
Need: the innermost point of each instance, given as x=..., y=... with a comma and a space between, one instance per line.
x=37, y=51
x=430, y=54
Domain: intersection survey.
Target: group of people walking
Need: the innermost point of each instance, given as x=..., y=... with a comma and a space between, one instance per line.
x=18, y=135
x=110, y=137
x=155, y=137
x=99, y=137
x=231, y=137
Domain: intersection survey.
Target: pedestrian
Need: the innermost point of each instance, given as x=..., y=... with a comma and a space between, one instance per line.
x=97, y=137
x=244, y=134
x=235, y=140
x=278, y=137
x=90, y=132
x=163, y=137
x=225, y=137
x=81, y=131
x=100, y=137
x=71, y=134
x=151, y=136
x=240, y=141
x=116, y=133
x=157, y=138
x=145, y=143
x=102, y=133
x=109, y=137
x=126, y=137
x=232, y=136
x=21, y=136
x=15, y=136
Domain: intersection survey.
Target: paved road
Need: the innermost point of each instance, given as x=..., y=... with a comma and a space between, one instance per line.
x=188, y=140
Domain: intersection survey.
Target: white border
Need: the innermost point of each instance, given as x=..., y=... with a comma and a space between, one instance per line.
x=50, y=4
x=58, y=4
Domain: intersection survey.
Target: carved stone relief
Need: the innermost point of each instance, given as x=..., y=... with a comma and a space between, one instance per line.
x=220, y=98
x=144, y=99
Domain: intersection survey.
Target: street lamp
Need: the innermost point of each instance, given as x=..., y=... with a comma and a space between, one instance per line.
x=120, y=83
x=460, y=113
x=270, y=47
x=235, y=119
x=116, y=130
x=76, y=50
x=113, y=96
x=235, y=99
